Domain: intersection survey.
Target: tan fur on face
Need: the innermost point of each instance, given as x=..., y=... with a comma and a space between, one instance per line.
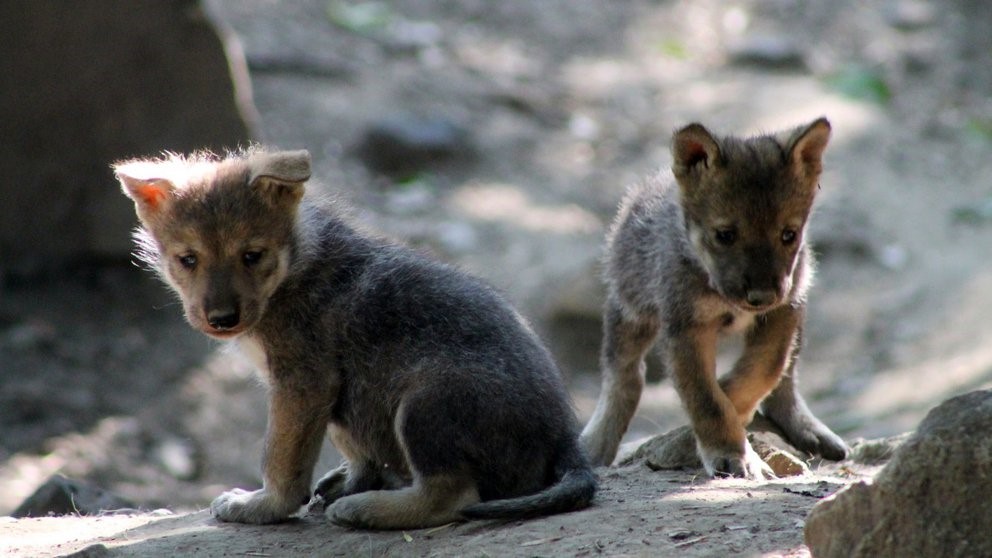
x=176, y=199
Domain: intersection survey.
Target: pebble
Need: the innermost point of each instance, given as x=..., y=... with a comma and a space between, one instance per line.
x=767, y=51
x=177, y=457
x=404, y=144
x=909, y=15
x=457, y=237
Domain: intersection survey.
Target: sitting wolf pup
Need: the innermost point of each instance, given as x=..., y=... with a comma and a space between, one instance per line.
x=444, y=403
x=722, y=250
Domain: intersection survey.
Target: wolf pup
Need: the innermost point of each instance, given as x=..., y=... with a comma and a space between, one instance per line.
x=721, y=250
x=444, y=403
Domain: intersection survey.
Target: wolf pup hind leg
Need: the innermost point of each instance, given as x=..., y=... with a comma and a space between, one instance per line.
x=721, y=249
x=442, y=399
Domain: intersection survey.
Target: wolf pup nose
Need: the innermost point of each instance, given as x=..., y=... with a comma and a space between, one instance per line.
x=761, y=298
x=443, y=401
x=717, y=247
x=223, y=320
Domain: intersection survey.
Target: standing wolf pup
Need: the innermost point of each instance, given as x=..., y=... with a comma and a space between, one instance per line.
x=722, y=250
x=443, y=401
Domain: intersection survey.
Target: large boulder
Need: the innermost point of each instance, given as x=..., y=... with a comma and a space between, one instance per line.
x=934, y=498
x=88, y=82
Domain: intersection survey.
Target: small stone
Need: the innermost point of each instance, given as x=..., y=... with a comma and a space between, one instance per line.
x=411, y=199
x=457, y=237
x=909, y=15
x=874, y=452
x=767, y=51
x=178, y=458
x=404, y=144
x=784, y=464
x=28, y=336
x=682, y=534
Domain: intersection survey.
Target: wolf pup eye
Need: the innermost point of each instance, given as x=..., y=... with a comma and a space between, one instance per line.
x=726, y=237
x=788, y=236
x=251, y=257
x=188, y=261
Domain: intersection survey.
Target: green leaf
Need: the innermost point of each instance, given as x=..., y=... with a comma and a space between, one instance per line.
x=673, y=48
x=973, y=214
x=980, y=128
x=364, y=18
x=858, y=82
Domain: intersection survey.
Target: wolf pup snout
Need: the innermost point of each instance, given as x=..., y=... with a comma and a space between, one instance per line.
x=223, y=319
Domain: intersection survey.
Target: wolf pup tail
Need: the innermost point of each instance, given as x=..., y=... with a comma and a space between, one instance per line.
x=574, y=491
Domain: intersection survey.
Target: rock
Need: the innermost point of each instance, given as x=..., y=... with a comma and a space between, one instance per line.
x=415, y=198
x=456, y=237
x=29, y=336
x=909, y=15
x=676, y=449
x=91, y=551
x=404, y=144
x=874, y=452
x=92, y=82
x=932, y=499
x=178, y=457
x=62, y=496
x=784, y=464
x=767, y=51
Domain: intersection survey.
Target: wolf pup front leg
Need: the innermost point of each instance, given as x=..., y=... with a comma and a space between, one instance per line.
x=225, y=268
x=719, y=250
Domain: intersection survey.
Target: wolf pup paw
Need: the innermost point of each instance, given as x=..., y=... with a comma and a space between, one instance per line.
x=246, y=506
x=350, y=511
x=723, y=463
x=813, y=437
x=331, y=486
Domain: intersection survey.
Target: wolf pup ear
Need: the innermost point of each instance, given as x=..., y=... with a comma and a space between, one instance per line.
x=150, y=194
x=805, y=147
x=280, y=176
x=693, y=147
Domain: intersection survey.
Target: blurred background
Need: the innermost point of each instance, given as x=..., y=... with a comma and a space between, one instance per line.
x=499, y=136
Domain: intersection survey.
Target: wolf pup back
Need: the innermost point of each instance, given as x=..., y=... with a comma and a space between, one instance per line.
x=718, y=248
x=441, y=398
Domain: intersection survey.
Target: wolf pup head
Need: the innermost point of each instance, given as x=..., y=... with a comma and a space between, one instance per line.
x=746, y=203
x=218, y=229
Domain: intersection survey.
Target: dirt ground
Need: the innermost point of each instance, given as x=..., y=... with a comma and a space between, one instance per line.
x=565, y=104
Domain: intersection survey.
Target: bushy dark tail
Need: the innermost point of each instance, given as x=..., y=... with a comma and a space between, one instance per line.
x=574, y=491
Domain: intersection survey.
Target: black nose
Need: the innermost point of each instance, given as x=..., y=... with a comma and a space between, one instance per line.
x=761, y=297
x=223, y=319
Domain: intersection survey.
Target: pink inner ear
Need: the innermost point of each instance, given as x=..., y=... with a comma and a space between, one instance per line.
x=694, y=153
x=151, y=194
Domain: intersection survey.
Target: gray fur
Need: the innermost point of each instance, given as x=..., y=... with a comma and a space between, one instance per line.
x=438, y=393
x=672, y=282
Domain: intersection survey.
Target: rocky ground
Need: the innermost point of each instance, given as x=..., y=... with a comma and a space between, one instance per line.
x=540, y=114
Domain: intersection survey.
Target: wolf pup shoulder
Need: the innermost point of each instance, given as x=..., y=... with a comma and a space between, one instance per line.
x=444, y=403
x=720, y=249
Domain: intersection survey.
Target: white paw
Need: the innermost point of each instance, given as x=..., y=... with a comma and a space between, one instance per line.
x=747, y=464
x=245, y=506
